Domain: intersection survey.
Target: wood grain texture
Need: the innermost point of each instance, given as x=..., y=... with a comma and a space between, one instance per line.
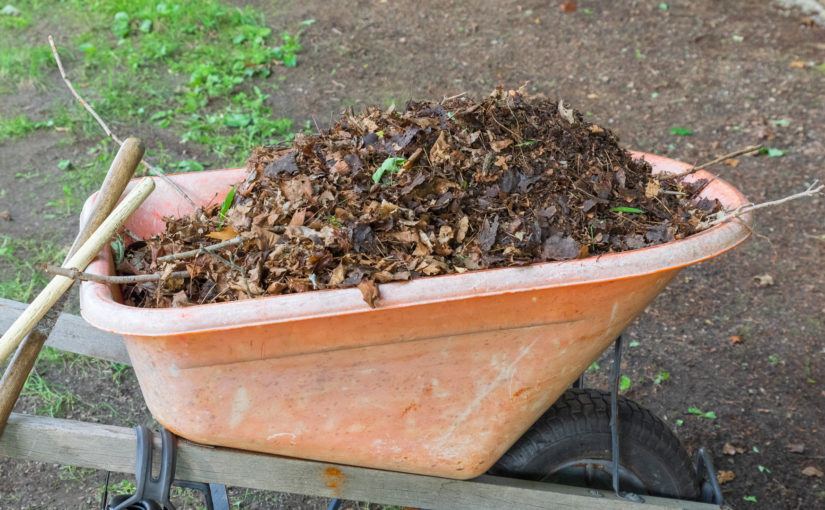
x=113, y=448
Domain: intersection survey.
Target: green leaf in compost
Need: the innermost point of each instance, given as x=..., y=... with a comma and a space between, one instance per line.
x=227, y=203
x=679, y=131
x=627, y=209
x=390, y=165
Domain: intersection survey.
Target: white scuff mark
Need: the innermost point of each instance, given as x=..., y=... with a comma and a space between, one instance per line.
x=240, y=404
x=174, y=371
x=506, y=373
x=281, y=434
x=613, y=315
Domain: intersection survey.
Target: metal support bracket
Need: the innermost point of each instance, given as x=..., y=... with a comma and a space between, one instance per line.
x=614, y=422
x=711, y=491
x=153, y=493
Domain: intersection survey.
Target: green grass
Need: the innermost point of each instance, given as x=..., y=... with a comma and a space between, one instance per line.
x=196, y=70
x=52, y=399
x=20, y=265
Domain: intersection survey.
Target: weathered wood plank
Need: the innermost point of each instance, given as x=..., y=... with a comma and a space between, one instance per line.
x=112, y=448
x=72, y=334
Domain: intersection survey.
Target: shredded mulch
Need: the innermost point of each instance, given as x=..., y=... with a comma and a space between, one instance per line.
x=442, y=187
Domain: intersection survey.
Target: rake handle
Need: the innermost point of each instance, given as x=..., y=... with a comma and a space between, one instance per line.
x=14, y=378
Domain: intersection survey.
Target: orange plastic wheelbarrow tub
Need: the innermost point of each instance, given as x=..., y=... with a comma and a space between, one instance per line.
x=441, y=379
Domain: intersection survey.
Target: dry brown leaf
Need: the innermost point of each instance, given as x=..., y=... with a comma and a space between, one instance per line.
x=652, y=189
x=225, y=234
x=594, y=128
x=725, y=476
x=6, y=215
x=813, y=471
x=733, y=162
x=797, y=64
x=369, y=290
x=338, y=275
x=569, y=6
x=736, y=339
x=440, y=151
x=796, y=447
x=179, y=300
x=729, y=449
x=500, y=145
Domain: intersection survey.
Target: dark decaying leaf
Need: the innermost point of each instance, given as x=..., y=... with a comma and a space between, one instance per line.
x=388, y=195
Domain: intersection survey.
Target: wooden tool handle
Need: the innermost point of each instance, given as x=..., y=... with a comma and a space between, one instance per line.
x=14, y=378
x=121, y=170
x=84, y=255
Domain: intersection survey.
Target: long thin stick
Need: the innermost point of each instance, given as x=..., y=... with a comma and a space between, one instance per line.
x=76, y=274
x=198, y=251
x=152, y=169
x=740, y=152
x=812, y=190
x=82, y=257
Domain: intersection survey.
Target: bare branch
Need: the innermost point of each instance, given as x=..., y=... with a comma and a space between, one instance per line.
x=740, y=152
x=198, y=251
x=152, y=169
x=75, y=274
x=722, y=216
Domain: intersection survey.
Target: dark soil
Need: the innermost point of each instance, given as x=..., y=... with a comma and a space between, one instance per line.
x=444, y=187
x=752, y=353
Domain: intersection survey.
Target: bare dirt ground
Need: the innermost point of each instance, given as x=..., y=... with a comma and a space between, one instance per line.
x=750, y=350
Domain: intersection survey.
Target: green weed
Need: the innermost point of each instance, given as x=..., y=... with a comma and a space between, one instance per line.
x=710, y=415
x=53, y=399
x=20, y=262
x=661, y=376
x=19, y=127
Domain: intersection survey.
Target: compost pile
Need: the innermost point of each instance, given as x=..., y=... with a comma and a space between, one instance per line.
x=443, y=187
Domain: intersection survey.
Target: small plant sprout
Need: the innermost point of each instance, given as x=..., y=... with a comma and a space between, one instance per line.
x=390, y=165
x=227, y=203
x=624, y=384
x=751, y=499
x=661, y=376
x=118, y=249
x=680, y=131
x=710, y=415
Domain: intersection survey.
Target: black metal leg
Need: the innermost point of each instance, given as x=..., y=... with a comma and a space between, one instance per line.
x=614, y=421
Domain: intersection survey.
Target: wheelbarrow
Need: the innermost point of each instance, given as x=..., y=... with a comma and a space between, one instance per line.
x=451, y=376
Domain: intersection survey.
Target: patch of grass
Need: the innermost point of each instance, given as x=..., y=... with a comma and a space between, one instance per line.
x=53, y=399
x=20, y=262
x=19, y=127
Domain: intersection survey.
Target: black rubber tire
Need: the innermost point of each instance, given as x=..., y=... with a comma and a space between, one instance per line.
x=577, y=427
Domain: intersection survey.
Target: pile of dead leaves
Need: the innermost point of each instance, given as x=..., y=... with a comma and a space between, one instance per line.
x=439, y=188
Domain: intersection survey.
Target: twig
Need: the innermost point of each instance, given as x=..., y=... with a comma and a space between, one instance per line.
x=452, y=97
x=75, y=274
x=721, y=216
x=153, y=170
x=740, y=152
x=198, y=251
x=233, y=266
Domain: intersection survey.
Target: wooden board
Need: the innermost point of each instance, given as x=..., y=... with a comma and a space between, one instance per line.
x=112, y=448
x=72, y=334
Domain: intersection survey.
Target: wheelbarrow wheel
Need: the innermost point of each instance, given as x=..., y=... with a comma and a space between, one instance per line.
x=570, y=444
